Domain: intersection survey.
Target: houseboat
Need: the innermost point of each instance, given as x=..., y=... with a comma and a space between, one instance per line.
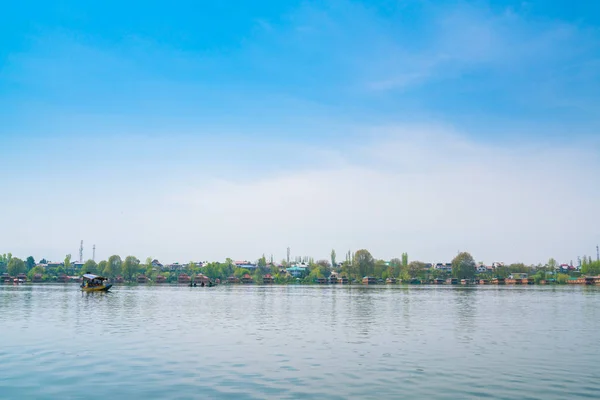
x=437, y=281
x=160, y=279
x=369, y=280
x=142, y=279
x=37, y=278
x=247, y=279
x=233, y=279
x=498, y=281
x=62, y=279
x=390, y=281
x=22, y=278
x=119, y=279
x=484, y=282
x=268, y=279
x=202, y=280
x=517, y=278
x=333, y=279
x=465, y=282
x=343, y=280
x=184, y=279
x=414, y=281
x=94, y=283
x=527, y=281
x=321, y=281
x=452, y=281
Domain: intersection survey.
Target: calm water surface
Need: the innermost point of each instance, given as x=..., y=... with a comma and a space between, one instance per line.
x=248, y=342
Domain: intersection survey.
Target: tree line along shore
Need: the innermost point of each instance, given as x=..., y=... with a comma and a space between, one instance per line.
x=355, y=268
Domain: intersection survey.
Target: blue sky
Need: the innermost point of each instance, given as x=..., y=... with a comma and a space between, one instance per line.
x=133, y=126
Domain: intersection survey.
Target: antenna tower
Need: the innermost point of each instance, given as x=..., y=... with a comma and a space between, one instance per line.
x=597, y=253
x=94, y=253
x=288, y=256
x=81, y=252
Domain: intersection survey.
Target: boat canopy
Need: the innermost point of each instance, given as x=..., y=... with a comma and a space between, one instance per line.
x=92, y=276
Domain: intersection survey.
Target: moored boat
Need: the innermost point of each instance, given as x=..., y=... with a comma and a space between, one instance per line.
x=94, y=283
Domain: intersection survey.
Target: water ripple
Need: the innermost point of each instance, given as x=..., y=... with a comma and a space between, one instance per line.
x=292, y=342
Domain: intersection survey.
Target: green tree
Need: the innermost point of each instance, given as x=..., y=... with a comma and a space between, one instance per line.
x=590, y=268
x=404, y=259
x=33, y=271
x=30, y=263
x=148, y=268
x=90, y=266
x=191, y=268
x=379, y=268
x=129, y=267
x=16, y=266
x=364, y=262
x=501, y=271
x=326, y=267
x=262, y=262
x=103, y=267
x=562, y=278
x=239, y=272
x=114, y=265
x=213, y=270
x=519, y=268
x=67, y=263
x=316, y=273
x=396, y=267
x=552, y=264
x=415, y=268
x=258, y=277
x=463, y=266
x=333, y=256
x=539, y=276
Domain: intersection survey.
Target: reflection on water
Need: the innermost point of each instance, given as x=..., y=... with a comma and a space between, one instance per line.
x=323, y=342
x=465, y=307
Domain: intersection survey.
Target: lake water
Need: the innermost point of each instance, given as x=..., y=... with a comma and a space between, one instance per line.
x=246, y=342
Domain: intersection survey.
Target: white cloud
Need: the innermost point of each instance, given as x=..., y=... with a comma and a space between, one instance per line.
x=426, y=190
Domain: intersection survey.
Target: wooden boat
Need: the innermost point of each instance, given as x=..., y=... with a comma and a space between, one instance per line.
x=369, y=280
x=94, y=283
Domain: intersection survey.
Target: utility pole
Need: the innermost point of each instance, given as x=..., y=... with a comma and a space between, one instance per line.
x=288, y=256
x=94, y=253
x=81, y=252
x=597, y=253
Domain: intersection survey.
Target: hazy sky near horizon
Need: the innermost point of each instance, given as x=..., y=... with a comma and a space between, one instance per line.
x=195, y=131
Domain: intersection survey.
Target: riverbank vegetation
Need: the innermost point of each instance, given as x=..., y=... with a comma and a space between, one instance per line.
x=356, y=266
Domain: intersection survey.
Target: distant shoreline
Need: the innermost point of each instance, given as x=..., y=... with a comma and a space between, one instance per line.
x=579, y=282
